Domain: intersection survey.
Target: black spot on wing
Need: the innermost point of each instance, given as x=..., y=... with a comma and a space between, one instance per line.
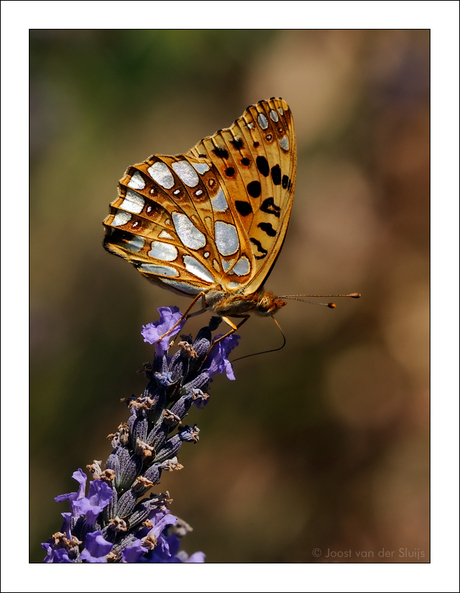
x=260, y=249
x=237, y=143
x=244, y=208
x=262, y=165
x=254, y=189
x=220, y=152
x=270, y=207
x=276, y=175
x=285, y=181
x=267, y=228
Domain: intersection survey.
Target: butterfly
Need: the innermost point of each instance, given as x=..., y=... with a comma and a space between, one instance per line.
x=210, y=223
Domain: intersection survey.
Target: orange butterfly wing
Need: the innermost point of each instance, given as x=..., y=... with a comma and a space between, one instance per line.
x=215, y=217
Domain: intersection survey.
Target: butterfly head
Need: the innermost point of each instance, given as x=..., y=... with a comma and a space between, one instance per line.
x=267, y=303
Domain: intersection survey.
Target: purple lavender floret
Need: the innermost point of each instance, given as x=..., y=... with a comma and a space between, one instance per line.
x=152, y=332
x=116, y=522
x=217, y=361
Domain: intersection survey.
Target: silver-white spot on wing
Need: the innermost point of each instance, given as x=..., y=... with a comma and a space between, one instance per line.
x=197, y=269
x=181, y=286
x=226, y=265
x=133, y=202
x=136, y=181
x=161, y=270
x=121, y=218
x=280, y=110
x=219, y=203
x=284, y=143
x=242, y=267
x=190, y=236
x=160, y=173
x=186, y=172
x=226, y=238
x=164, y=235
x=273, y=115
x=201, y=167
x=163, y=251
x=135, y=244
x=263, y=121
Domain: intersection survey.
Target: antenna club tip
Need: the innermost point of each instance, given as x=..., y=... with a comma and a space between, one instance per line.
x=355, y=295
x=331, y=305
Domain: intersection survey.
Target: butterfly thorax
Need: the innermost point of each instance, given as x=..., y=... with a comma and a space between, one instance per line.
x=237, y=304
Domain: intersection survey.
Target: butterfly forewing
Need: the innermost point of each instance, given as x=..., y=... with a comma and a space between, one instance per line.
x=215, y=217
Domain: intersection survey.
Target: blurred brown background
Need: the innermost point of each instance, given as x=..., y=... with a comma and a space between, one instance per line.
x=323, y=445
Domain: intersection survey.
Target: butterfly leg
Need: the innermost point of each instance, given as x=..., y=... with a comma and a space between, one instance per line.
x=232, y=325
x=203, y=306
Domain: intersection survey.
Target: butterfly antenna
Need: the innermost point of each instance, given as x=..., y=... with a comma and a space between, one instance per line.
x=296, y=297
x=265, y=351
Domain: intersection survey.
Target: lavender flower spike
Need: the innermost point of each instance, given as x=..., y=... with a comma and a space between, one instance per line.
x=116, y=522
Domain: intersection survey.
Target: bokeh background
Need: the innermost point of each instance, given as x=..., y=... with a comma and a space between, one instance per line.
x=323, y=445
